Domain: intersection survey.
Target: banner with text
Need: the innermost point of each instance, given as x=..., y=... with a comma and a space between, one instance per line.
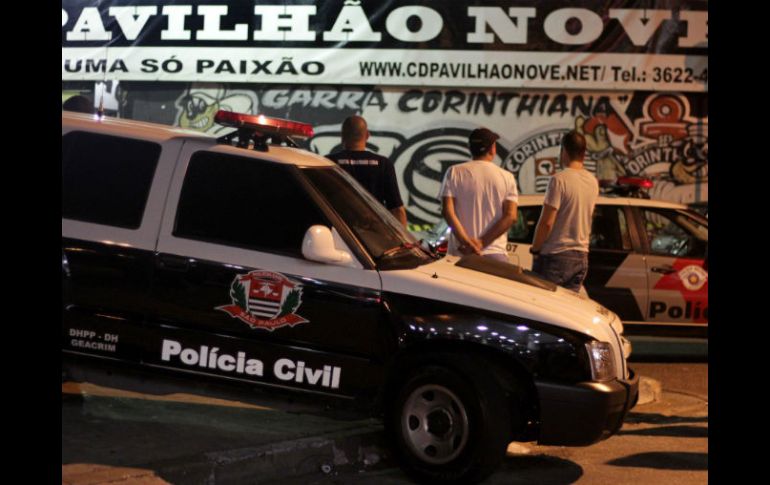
x=651, y=45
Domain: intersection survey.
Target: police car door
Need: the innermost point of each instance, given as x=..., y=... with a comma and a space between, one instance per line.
x=235, y=298
x=617, y=276
x=678, y=284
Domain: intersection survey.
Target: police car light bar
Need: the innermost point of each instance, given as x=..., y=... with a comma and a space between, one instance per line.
x=641, y=182
x=264, y=124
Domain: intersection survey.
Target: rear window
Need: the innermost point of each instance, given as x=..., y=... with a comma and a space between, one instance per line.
x=523, y=231
x=106, y=179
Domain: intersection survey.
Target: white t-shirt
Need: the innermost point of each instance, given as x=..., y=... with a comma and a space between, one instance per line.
x=479, y=188
x=573, y=192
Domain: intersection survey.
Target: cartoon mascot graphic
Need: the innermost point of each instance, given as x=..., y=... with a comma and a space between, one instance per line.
x=668, y=121
x=603, y=157
x=197, y=107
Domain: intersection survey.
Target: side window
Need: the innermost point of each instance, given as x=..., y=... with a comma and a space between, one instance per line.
x=673, y=233
x=523, y=231
x=246, y=203
x=106, y=179
x=609, y=229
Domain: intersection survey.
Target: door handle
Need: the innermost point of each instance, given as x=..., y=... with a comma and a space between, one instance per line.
x=173, y=263
x=665, y=269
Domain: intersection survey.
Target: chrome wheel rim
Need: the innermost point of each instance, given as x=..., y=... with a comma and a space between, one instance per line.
x=434, y=424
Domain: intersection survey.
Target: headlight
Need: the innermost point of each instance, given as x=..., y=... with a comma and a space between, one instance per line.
x=602, y=360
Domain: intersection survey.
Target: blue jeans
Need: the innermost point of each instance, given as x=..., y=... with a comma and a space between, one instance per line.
x=567, y=269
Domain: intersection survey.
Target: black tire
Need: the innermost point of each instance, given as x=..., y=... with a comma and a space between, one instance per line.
x=450, y=422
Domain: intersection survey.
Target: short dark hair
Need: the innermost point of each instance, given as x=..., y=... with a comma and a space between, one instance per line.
x=481, y=141
x=574, y=144
x=354, y=129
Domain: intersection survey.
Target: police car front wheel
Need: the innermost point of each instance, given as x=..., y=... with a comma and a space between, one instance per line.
x=450, y=424
x=435, y=424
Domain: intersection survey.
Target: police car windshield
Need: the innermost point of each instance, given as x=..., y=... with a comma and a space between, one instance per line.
x=387, y=241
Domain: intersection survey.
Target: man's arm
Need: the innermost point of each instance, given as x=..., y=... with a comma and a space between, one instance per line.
x=467, y=245
x=502, y=225
x=392, y=195
x=400, y=213
x=544, y=227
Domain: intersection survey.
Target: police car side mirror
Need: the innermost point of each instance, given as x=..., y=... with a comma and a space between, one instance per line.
x=319, y=245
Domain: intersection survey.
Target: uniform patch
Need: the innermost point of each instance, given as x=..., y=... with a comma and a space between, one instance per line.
x=263, y=299
x=693, y=277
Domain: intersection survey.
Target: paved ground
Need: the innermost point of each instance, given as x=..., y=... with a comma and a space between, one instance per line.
x=117, y=437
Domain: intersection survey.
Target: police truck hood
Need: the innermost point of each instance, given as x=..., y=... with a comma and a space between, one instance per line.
x=444, y=281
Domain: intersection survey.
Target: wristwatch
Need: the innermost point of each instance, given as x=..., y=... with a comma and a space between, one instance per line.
x=532, y=251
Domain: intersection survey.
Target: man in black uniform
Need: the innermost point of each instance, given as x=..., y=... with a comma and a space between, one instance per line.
x=375, y=172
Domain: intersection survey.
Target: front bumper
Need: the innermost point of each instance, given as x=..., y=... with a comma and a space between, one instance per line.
x=584, y=413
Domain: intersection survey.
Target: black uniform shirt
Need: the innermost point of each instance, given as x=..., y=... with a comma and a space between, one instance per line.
x=376, y=173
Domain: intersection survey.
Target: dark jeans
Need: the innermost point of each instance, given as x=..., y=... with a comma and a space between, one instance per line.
x=567, y=269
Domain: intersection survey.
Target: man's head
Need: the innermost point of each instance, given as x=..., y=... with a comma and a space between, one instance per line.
x=354, y=132
x=482, y=142
x=573, y=147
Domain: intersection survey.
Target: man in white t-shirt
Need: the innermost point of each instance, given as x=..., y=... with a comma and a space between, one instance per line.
x=479, y=200
x=563, y=232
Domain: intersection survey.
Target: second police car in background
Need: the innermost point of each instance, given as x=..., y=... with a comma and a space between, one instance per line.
x=247, y=261
x=646, y=261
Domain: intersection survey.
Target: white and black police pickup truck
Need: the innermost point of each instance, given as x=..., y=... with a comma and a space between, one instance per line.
x=249, y=261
